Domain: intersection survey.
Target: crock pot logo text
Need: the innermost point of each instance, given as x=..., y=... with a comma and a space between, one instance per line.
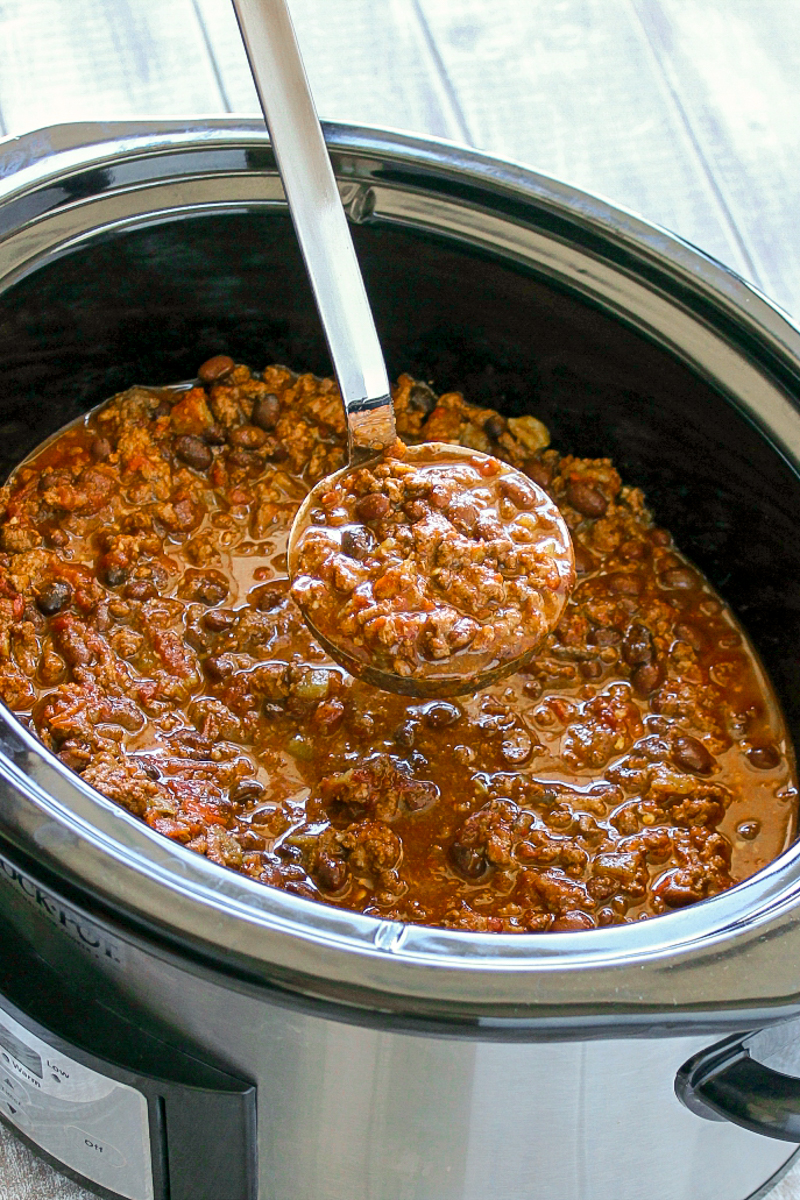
x=79, y=930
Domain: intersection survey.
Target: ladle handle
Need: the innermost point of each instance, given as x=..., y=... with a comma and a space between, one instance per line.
x=319, y=221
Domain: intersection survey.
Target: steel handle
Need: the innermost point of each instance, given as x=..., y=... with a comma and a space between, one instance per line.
x=319, y=221
x=726, y=1083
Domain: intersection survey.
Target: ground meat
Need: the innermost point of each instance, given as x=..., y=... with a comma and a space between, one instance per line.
x=638, y=763
x=432, y=568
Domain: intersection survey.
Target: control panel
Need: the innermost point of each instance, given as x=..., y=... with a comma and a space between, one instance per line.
x=94, y=1125
x=112, y=1096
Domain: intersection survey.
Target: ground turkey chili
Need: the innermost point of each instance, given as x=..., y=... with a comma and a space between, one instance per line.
x=432, y=568
x=637, y=764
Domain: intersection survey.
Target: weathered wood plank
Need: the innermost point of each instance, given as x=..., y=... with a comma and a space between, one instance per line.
x=571, y=88
x=67, y=60
x=368, y=61
x=734, y=68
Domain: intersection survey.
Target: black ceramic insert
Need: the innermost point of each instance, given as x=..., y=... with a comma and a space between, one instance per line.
x=148, y=306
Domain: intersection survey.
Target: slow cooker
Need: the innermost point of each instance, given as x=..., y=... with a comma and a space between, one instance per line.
x=171, y=1029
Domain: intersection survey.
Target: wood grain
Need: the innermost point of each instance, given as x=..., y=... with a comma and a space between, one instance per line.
x=368, y=61
x=733, y=67
x=68, y=60
x=571, y=87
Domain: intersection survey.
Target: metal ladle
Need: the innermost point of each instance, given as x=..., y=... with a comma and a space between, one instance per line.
x=320, y=223
x=330, y=259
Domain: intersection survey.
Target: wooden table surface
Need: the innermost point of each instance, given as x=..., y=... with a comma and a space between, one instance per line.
x=687, y=111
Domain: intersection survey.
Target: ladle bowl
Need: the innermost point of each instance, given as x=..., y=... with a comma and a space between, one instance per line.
x=465, y=671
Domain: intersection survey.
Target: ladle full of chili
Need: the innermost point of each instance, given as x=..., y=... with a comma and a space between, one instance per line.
x=428, y=570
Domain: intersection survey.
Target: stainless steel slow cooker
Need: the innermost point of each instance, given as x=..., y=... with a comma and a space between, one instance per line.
x=169, y=1028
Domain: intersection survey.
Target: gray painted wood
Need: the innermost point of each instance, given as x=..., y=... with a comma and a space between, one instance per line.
x=67, y=60
x=733, y=67
x=573, y=88
x=368, y=61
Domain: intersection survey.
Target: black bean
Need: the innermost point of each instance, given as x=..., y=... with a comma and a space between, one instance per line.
x=266, y=411
x=467, y=861
x=268, y=597
x=679, y=579
x=194, y=452
x=209, y=587
x=646, y=678
x=373, y=506
x=518, y=491
x=574, y=920
x=637, y=646
x=215, y=435
x=357, y=541
x=247, y=791
x=539, y=471
x=691, y=755
x=53, y=596
x=439, y=714
x=212, y=592
x=101, y=449
x=463, y=513
x=588, y=500
x=140, y=589
x=113, y=575
x=584, y=560
x=404, y=734
x=692, y=635
x=215, y=368
x=422, y=398
x=218, y=666
x=495, y=426
x=624, y=583
x=764, y=758
x=331, y=873
x=218, y=619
